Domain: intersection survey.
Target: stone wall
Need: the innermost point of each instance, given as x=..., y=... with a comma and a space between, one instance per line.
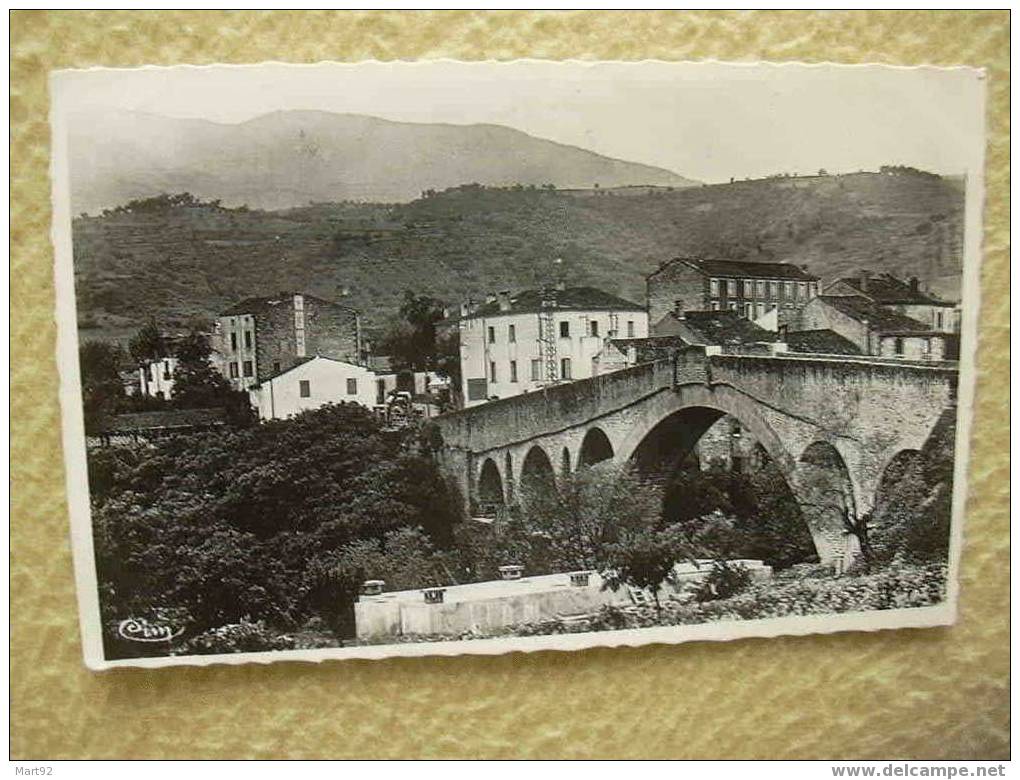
x=672, y=283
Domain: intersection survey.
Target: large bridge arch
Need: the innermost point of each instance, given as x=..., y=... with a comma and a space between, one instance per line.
x=537, y=469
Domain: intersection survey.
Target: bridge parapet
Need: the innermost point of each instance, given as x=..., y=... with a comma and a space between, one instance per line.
x=522, y=417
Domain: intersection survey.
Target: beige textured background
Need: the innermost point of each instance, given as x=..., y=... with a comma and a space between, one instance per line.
x=940, y=693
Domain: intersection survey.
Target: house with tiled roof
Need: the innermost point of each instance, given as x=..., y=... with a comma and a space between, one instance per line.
x=875, y=329
x=259, y=337
x=517, y=343
x=903, y=297
x=751, y=289
x=820, y=342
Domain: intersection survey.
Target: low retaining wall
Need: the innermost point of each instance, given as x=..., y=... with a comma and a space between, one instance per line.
x=484, y=607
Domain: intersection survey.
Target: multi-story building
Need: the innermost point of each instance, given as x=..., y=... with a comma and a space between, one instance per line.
x=876, y=330
x=260, y=337
x=515, y=344
x=905, y=298
x=753, y=290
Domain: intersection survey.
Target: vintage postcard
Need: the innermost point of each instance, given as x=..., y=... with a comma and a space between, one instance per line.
x=378, y=359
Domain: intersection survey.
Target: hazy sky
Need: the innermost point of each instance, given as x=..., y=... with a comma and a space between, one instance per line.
x=706, y=121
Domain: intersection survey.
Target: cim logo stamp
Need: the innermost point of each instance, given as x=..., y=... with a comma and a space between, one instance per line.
x=141, y=630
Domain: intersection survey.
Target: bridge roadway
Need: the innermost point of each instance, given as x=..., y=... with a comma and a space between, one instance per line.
x=833, y=425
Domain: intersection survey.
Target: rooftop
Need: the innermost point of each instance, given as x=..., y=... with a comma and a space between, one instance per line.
x=879, y=319
x=743, y=269
x=653, y=347
x=887, y=289
x=820, y=342
x=569, y=299
x=265, y=303
x=170, y=418
x=713, y=328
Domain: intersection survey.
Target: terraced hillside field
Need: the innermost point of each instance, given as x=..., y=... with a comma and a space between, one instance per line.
x=189, y=262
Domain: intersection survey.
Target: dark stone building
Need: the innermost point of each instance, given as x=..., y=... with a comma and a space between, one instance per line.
x=260, y=337
x=750, y=289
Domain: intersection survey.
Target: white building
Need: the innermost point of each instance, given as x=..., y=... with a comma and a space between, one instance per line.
x=515, y=344
x=321, y=380
x=156, y=378
x=313, y=383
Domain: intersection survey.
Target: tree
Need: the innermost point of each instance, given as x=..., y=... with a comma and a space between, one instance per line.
x=197, y=384
x=412, y=340
x=147, y=344
x=646, y=559
x=270, y=522
x=102, y=390
x=582, y=515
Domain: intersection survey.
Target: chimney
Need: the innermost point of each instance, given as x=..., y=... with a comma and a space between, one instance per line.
x=465, y=309
x=913, y=284
x=504, y=300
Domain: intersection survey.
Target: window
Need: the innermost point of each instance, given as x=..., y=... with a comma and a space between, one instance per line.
x=594, y=324
x=536, y=370
x=565, y=368
x=276, y=367
x=305, y=388
x=249, y=369
x=773, y=289
x=166, y=369
x=233, y=371
x=233, y=342
x=715, y=305
x=713, y=288
x=898, y=346
x=802, y=290
x=247, y=339
x=492, y=371
x=565, y=330
x=513, y=370
x=789, y=291
x=492, y=335
x=938, y=320
x=760, y=286
x=733, y=306
x=630, y=329
x=748, y=311
x=732, y=286
x=352, y=386
x=511, y=335
x=759, y=309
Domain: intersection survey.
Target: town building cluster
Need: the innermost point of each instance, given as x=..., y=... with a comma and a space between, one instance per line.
x=292, y=351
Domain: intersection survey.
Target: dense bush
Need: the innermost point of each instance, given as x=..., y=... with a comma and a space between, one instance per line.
x=725, y=579
x=242, y=637
x=275, y=523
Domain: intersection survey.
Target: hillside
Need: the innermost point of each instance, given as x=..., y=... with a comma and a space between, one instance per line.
x=193, y=261
x=292, y=158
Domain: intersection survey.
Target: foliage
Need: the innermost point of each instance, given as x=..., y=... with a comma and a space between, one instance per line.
x=198, y=385
x=101, y=388
x=740, y=515
x=645, y=559
x=411, y=341
x=724, y=580
x=147, y=344
x=244, y=636
x=582, y=516
x=270, y=522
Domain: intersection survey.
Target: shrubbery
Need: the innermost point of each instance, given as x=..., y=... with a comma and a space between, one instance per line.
x=273, y=524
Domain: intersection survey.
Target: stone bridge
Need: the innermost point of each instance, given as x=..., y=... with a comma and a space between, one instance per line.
x=833, y=426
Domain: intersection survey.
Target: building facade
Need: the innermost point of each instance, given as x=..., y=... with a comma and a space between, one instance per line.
x=156, y=378
x=516, y=344
x=261, y=337
x=750, y=289
x=903, y=297
x=874, y=329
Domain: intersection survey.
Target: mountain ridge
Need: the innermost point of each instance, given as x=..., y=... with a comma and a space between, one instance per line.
x=289, y=158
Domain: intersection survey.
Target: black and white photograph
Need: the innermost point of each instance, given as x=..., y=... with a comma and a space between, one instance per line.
x=431, y=358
